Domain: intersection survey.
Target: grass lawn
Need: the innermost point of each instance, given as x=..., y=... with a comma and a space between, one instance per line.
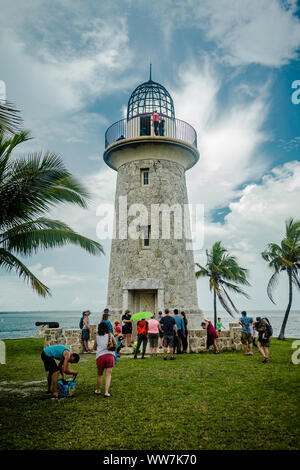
x=199, y=401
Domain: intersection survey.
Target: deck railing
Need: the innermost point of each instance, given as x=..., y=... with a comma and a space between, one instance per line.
x=175, y=128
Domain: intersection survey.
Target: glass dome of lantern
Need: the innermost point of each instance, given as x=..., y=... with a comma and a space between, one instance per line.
x=148, y=97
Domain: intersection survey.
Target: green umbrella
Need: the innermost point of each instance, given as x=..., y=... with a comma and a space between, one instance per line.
x=141, y=316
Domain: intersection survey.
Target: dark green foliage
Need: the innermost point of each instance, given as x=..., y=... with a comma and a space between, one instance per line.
x=224, y=274
x=29, y=187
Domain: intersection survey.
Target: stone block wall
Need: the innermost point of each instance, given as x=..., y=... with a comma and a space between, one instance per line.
x=227, y=340
x=53, y=336
x=71, y=338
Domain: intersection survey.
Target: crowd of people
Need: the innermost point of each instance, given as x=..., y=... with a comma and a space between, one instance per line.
x=261, y=329
x=167, y=332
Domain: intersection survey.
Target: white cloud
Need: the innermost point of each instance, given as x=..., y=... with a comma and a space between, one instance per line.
x=228, y=138
x=101, y=187
x=49, y=276
x=265, y=32
x=256, y=219
x=67, y=80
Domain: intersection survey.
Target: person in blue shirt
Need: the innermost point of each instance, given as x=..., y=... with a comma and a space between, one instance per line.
x=246, y=339
x=178, y=340
x=61, y=353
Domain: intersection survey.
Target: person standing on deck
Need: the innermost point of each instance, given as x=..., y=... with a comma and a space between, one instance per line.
x=155, y=122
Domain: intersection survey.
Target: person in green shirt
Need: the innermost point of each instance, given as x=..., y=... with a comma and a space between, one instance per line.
x=219, y=325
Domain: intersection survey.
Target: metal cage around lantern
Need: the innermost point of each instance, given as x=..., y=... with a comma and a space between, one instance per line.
x=149, y=97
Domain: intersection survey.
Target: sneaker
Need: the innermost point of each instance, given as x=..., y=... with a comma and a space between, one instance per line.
x=165, y=358
x=172, y=358
x=265, y=360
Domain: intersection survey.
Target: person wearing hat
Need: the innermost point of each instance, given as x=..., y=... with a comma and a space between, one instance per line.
x=117, y=329
x=105, y=319
x=85, y=332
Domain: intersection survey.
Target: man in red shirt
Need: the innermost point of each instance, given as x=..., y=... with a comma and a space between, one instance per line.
x=142, y=330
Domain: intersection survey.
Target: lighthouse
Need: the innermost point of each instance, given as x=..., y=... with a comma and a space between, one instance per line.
x=151, y=260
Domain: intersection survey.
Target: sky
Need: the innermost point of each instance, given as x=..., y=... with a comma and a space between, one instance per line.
x=232, y=68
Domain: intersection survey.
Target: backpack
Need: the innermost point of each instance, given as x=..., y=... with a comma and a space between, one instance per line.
x=142, y=328
x=269, y=330
x=81, y=323
x=66, y=388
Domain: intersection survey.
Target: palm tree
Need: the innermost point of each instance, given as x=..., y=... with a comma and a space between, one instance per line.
x=285, y=257
x=223, y=270
x=29, y=187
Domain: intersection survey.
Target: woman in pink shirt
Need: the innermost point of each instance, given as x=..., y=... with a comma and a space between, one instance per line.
x=153, y=334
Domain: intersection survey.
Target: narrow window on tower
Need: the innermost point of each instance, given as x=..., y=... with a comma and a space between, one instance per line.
x=145, y=176
x=146, y=236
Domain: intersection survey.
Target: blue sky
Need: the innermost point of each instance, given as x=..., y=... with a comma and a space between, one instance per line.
x=70, y=66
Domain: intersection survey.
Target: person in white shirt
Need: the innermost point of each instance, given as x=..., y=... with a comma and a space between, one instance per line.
x=105, y=358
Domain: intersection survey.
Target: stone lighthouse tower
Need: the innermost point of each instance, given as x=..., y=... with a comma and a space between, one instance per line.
x=151, y=261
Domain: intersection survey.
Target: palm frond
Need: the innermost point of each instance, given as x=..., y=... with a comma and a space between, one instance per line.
x=229, y=299
x=34, y=185
x=236, y=289
x=295, y=279
x=202, y=272
x=224, y=304
x=10, y=120
x=45, y=233
x=272, y=285
x=10, y=262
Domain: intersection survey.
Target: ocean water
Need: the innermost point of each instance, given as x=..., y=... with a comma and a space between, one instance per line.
x=22, y=324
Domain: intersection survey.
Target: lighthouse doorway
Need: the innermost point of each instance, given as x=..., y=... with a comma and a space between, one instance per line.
x=144, y=301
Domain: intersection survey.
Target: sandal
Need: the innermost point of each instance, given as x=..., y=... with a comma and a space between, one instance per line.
x=107, y=396
x=97, y=393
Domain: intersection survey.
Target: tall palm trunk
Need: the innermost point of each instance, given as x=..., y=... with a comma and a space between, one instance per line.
x=215, y=309
x=286, y=316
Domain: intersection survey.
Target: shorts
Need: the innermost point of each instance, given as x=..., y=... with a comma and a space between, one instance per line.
x=85, y=335
x=168, y=341
x=265, y=342
x=106, y=361
x=153, y=340
x=126, y=330
x=49, y=363
x=246, y=338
